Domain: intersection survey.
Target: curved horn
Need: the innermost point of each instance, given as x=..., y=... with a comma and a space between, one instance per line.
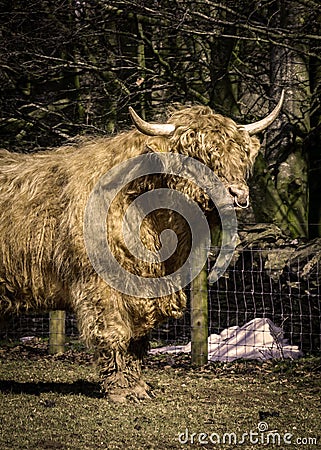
x=151, y=129
x=257, y=127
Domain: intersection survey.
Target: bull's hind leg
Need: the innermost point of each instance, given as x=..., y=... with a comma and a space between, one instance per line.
x=106, y=327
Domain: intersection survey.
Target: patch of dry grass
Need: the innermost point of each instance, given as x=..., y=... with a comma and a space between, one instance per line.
x=55, y=403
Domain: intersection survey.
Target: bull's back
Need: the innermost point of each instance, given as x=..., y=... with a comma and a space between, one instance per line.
x=31, y=208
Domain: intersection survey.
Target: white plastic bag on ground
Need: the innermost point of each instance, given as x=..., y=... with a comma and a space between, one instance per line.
x=258, y=339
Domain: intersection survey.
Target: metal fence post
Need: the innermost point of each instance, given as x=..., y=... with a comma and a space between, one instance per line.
x=57, y=331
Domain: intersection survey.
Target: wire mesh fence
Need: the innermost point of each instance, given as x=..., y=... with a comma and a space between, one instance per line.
x=34, y=325
x=269, y=285
x=266, y=291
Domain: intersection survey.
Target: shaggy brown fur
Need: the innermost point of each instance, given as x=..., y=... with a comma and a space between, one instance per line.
x=43, y=260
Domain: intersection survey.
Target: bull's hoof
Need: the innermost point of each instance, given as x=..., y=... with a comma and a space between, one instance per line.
x=117, y=397
x=140, y=391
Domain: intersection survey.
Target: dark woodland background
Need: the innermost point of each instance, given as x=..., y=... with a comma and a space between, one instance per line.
x=73, y=67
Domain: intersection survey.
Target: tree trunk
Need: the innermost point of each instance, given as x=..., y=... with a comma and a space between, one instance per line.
x=315, y=152
x=285, y=152
x=282, y=194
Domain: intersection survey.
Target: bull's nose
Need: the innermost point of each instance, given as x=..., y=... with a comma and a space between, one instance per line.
x=240, y=196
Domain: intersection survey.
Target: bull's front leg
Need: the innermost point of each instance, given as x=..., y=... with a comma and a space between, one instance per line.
x=105, y=326
x=120, y=371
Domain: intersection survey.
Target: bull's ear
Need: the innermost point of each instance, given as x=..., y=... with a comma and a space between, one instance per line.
x=158, y=145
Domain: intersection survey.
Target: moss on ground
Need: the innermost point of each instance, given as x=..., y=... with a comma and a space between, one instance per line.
x=51, y=402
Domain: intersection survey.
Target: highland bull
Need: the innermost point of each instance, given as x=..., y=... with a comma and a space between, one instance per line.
x=43, y=260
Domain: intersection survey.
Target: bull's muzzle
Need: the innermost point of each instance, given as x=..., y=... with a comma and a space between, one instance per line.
x=240, y=196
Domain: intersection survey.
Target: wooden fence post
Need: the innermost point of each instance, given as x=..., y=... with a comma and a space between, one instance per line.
x=199, y=318
x=57, y=331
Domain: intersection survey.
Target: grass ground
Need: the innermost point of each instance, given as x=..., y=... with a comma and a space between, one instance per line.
x=49, y=402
